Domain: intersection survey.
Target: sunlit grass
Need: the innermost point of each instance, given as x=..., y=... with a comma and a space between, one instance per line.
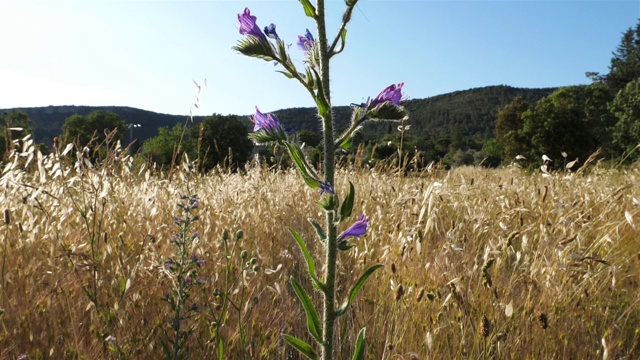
x=552, y=262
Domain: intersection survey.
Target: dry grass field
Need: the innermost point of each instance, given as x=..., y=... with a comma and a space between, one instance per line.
x=478, y=263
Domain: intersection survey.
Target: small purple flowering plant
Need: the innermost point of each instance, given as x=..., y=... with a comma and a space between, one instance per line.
x=268, y=130
x=181, y=270
x=184, y=269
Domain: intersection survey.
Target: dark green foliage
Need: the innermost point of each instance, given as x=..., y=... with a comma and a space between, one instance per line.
x=566, y=120
x=222, y=140
x=508, y=125
x=626, y=107
x=14, y=119
x=625, y=64
x=47, y=121
x=82, y=129
x=160, y=149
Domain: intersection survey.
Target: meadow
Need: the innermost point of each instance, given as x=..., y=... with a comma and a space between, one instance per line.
x=478, y=263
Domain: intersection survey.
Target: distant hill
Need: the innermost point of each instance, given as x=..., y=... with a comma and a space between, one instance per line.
x=48, y=120
x=471, y=113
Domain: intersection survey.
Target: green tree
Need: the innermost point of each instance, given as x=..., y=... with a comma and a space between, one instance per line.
x=626, y=107
x=625, y=63
x=509, y=125
x=95, y=126
x=9, y=125
x=560, y=122
x=161, y=148
x=223, y=140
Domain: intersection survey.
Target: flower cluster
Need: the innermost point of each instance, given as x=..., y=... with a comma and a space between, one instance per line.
x=305, y=43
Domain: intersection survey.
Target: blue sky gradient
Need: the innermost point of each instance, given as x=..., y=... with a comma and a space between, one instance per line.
x=146, y=54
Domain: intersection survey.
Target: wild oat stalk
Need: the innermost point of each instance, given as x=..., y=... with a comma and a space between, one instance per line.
x=268, y=130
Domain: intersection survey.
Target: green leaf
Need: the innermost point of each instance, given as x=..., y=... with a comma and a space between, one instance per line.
x=311, y=266
x=302, y=346
x=344, y=245
x=220, y=348
x=321, y=100
x=298, y=157
x=286, y=73
x=319, y=230
x=343, y=39
x=387, y=111
x=347, y=204
x=360, y=344
x=252, y=46
x=309, y=9
x=313, y=321
x=354, y=291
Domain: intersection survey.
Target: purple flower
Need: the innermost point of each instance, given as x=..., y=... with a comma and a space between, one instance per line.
x=262, y=121
x=357, y=229
x=392, y=94
x=248, y=25
x=325, y=187
x=305, y=43
x=271, y=32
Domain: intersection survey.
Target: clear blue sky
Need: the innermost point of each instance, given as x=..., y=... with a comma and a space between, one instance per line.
x=145, y=54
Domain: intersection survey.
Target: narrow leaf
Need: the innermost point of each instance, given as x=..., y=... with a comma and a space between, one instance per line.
x=220, y=348
x=309, y=9
x=311, y=266
x=321, y=100
x=301, y=346
x=347, y=204
x=313, y=321
x=343, y=39
x=354, y=291
x=319, y=230
x=360, y=344
x=298, y=157
x=286, y=73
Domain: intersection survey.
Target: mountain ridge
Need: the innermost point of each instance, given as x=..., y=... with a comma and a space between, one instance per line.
x=471, y=112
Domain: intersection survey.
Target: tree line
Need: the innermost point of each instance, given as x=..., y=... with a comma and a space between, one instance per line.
x=576, y=121
x=216, y=140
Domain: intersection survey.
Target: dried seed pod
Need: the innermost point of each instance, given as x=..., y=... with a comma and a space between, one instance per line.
x=544, y=321
x=420, y=295
x=399, y=292
x=485, y=327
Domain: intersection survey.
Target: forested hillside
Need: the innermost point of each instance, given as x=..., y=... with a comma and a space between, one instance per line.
x=469, y=113
x=47, y=121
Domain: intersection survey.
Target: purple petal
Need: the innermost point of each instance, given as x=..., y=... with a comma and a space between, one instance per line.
x=248, y=24
x=262, y=121
x=392, y=94
x=271, y=31
x=358, y=228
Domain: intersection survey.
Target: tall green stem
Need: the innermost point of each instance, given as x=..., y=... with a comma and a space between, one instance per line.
x=329, y=315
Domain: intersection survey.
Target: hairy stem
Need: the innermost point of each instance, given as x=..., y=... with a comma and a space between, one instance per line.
x=329, y=164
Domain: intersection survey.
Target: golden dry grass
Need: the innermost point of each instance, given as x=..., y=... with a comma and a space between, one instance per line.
x=478, y=263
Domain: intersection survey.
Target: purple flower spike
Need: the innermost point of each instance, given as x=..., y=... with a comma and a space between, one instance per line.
x=305, y=43
x=262, y=121
x=248, y=25
x=326, y=188
x=271, y=32
x=357, y=229
x=392, y=94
